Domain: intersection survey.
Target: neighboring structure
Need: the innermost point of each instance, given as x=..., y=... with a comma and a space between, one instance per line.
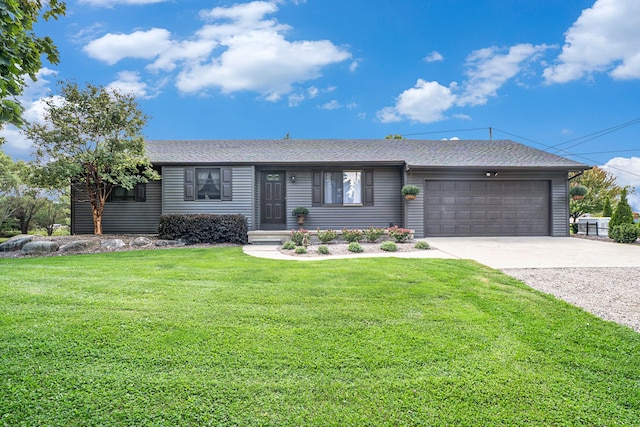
x=468, y=188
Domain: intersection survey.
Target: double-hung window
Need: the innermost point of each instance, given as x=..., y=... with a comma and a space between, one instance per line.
x=342, y=187
x=137, y=194
x=207, y=183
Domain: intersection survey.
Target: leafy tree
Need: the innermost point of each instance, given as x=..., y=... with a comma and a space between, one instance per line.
x=601, y=184
x=94, y=141
x=623, y=213
x=395, y=136
x=27, y=199
x=8, y=182
x=55, y=210
x=21, y=50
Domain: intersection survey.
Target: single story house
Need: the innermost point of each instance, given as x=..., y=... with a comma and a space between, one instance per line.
x=468, y=188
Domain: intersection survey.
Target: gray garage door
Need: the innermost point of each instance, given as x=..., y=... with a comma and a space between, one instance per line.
x=487, y=208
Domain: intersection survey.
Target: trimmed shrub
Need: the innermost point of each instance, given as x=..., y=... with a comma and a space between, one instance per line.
x=203, y=228
x=625, y=233
x=355, y=247
x=389, y=247
x=327, y=236
x=352, y=235
x=301, y=250
x=607, y=210
x=421, y=245
x=289, y=245
x=322, y=249
x=373, y=233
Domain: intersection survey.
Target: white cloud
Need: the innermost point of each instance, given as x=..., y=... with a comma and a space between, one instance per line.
x=354, y=66
x=239, y=49
x=434, y=56
x=331, y=105
x=424, y=103
x=295, y=99
x=33, y=100
x=129, y=82
x=488, y=69
x=605, y=38
x=112, y=48
x=627, y=173
x=111, y=3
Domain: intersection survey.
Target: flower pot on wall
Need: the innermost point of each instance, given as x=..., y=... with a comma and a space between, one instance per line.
x=301, y=219
x=410, y=196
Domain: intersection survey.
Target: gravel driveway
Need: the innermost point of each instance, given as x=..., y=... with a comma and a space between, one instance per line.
x=609, y=293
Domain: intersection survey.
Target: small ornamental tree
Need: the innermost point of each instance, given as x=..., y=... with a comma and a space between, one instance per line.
x=623, y=213
x=93, y=141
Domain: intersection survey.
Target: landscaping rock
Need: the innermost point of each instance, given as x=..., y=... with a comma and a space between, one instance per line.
x=15, y=243
x=40, y=247
x=162, y=242
x=141, y=242
x=113, y=244
x=79, y=246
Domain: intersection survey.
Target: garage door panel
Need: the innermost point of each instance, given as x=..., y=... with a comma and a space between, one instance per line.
x=487, y=208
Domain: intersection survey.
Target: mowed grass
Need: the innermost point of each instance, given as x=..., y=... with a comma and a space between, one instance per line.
x=214, y=337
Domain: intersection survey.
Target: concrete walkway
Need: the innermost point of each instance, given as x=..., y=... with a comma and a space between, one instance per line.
x=502, y=252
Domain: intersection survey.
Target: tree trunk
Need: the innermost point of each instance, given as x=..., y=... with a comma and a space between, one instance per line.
x=97, y=220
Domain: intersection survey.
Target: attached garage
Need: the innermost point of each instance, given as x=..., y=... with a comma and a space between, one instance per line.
x=487, y=208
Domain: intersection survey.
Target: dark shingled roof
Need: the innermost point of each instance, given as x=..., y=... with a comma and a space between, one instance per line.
x=413, y=153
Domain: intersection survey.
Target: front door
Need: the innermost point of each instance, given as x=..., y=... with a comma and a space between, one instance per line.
x=273, y=196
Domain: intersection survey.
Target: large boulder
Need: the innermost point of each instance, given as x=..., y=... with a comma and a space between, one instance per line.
x=112, y=244
x=79, y=246
x=15, y=243
x=40, y=247
x=162, y=242
x=140, y=241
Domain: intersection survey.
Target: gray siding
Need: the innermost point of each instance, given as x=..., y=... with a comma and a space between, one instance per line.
x=387, y=206
x=122, y=217
x=559, y=203
x=242, y=195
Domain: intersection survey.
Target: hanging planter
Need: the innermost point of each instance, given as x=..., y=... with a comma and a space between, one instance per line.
x=301, y=213
x=577, y=192
x=410, y=192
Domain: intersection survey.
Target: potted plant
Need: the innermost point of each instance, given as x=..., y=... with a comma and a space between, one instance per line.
x=301, y=212
x=410, y=192
x=577, y=192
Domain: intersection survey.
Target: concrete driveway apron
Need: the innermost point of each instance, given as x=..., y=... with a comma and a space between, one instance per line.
x=539, y=252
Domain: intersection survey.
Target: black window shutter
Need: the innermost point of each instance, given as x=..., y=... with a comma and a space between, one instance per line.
x=368, y=187
x=316, y=187
x=140, y=191
x=189, y=184
x=225, y=179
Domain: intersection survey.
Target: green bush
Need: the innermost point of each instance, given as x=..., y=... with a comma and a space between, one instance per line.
x=289, y=245
x=400, y=234
x=373, y=233
x=355, y=247
x=301, y=250
x=327, y=236
x=625, y=233
x=389, y=247
x=574, y=227
x=622, y=214
x=300, y=237
x=352, y=235
x=421, y=245
x=203, y=228
x=322, y=249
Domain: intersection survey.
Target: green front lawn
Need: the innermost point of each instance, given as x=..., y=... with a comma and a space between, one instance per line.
x=214, y=337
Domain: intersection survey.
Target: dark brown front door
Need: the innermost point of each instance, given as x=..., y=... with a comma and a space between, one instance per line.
x=273, y=205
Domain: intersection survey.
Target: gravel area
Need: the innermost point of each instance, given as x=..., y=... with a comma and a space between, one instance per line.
x=609, y=293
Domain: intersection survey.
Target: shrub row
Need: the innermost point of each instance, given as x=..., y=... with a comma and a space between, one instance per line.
x=203, y=228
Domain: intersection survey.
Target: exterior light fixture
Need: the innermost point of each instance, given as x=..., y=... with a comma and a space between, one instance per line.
x=292, y=177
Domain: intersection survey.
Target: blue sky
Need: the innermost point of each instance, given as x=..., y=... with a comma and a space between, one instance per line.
x=547, y=73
